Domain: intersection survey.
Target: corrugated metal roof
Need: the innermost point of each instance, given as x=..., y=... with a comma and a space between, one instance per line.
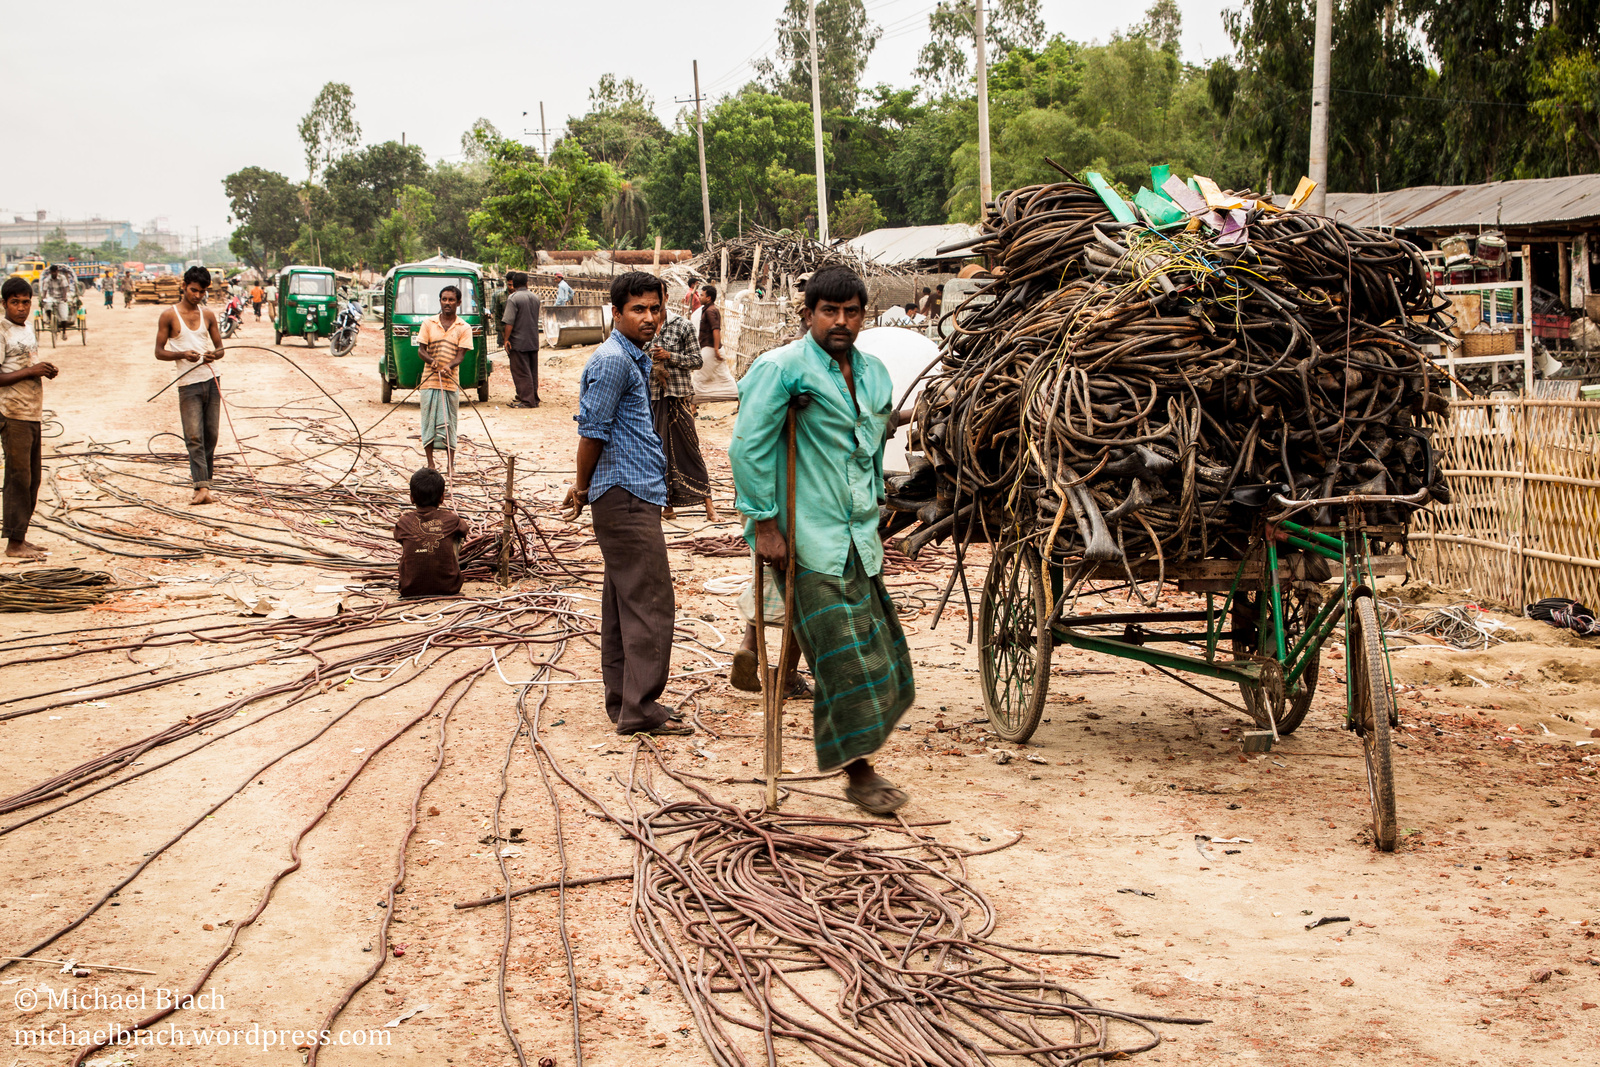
x=903, y=244
x=1525, y=202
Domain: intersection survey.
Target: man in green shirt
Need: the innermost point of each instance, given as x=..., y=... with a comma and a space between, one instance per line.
x=843, y=617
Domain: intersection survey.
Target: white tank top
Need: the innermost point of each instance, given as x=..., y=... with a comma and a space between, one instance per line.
x=188, y=340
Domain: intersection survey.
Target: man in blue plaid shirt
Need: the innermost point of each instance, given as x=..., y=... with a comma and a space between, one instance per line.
x=622, y=477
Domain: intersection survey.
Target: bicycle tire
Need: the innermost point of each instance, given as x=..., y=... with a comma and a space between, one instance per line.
x=1373, y=710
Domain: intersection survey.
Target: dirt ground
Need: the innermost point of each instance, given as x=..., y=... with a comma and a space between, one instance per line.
x=1473, y=944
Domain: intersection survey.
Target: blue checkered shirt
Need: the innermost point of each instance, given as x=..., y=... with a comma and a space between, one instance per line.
x=614, y=407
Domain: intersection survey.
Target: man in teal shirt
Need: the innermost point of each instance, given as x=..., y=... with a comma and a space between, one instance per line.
x=843, y=617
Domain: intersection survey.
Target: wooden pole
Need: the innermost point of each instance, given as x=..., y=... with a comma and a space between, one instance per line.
x=755, y=269
x=508, y=510
x=985, y=177
x=724, y=282
x=655, y=261
x=773, y=678
x=700, y=138
x=1321, y=77
x=816, y=133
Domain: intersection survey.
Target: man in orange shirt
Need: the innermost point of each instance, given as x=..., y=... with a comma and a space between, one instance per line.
x=442, y=341
x=257, y=296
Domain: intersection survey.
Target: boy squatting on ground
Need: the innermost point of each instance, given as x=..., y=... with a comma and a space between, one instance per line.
x=430, y=540
x=187, y=333
x=21, y=409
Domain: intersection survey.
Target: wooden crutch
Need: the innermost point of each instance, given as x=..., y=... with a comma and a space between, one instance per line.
x=772, y=688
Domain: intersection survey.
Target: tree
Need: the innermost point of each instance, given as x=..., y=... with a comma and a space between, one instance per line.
x=745, y=136
x=267, y=209
x=946, y=58
x=478, y=134
x=1162, y=25
x=1569, y=91
x=329, y=129
x=845, y=40
x=148, y=251
x=1386, y=113
x=57, y=249
x=365, y=185
x=532, y=205
x=854, y=214
x=457, y=192
x=400, y=237
x=620, y=127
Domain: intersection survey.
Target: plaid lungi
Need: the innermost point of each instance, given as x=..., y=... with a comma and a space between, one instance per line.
x=687, y=480
x=857, y=652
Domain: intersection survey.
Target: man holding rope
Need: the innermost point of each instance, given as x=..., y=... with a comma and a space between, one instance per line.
x=443, y=341
x=843, y=616
x=187, y=333
x=622, y=477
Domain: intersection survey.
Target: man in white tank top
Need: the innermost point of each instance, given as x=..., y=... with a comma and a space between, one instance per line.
x=187, y=334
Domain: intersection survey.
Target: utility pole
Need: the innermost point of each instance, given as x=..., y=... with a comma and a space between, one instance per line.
x=985, y=178
x=816, y=132
x=544, y=133
x=1320, y=79
x=700, y=139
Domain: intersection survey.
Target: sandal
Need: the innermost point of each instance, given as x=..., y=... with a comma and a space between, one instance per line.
x=878, y=799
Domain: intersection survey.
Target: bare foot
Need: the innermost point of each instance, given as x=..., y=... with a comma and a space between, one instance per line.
x=711, y=511
x=669, y=513
x=25, y=550
x=202, y=496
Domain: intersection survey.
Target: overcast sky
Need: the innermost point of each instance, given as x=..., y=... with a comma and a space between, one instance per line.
x=139, y=111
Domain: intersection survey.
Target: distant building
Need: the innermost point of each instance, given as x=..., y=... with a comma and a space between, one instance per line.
x=23, y=234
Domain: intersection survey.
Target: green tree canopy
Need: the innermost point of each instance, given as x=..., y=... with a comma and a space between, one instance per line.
x=267, y=209
x=531, y=205
x=845, y=40
x=329, y=129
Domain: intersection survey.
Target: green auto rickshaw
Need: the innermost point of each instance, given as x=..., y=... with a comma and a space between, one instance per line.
x=306, y=304
x=410, y=297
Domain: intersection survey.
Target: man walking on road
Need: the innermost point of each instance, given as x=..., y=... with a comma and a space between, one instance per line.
x=187, y=333
x=519, y=336
x=442, y=341
x=127, y=289
x=563, y=290
x=257, y=295
x=843, y=616
x=676, y=357
x=621, y=476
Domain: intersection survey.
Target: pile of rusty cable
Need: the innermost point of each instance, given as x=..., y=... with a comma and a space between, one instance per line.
x=812, y=928
x=53, y=589
x=1107, y=395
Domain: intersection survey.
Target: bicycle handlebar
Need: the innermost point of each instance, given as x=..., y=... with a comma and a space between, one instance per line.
x=1292, y=506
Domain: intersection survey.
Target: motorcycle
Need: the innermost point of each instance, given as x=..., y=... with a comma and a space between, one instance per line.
x=232, y=317
x=346, y=328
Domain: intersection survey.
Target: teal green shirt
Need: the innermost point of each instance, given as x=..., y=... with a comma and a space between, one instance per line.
x=838, y=452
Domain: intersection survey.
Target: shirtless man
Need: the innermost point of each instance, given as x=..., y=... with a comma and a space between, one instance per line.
x=187, y=334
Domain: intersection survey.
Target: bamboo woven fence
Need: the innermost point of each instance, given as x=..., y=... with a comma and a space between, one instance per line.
x=1524, y=520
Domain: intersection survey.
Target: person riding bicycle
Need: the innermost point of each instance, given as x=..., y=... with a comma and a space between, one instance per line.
x=57, y=291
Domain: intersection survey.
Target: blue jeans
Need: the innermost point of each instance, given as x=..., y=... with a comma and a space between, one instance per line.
x=200, y=407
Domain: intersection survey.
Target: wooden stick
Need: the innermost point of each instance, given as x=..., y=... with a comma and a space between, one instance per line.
x=506, y=513
x=74, y=963
x=543, y=886
x=780, y=677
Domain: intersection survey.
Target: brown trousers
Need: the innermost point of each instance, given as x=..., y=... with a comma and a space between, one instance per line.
x=637, y=610
x=23, y=448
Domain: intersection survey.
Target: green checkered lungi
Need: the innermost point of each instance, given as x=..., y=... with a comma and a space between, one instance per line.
x=857, y=652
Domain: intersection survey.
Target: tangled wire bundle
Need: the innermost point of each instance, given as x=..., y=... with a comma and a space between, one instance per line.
x=1110, y=390
x=778, y=914
x=53, y=589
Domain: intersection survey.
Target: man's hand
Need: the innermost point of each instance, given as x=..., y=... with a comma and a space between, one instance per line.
x=770, y=545
x=213, y=355
x=572, y=507
x=44, y=370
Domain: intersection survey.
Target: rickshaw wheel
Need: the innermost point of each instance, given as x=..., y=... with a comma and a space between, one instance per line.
x=1291, y=707
x=1372, y=707
x=483, y=389
x=1014, y=658
x=277, y=337
x=387, y=390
